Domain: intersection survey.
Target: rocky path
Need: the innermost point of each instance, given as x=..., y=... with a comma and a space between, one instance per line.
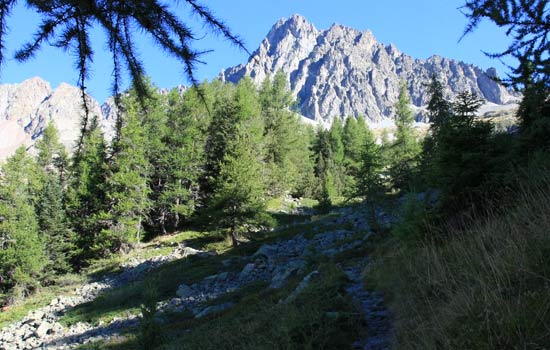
x=371, y=304
x=273, y=263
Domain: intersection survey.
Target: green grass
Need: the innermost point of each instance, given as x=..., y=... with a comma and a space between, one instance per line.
x=63, y=285
x=305, y=322
x=127, y=299
x=168, y=277
x=259, y=321
x=486, y=287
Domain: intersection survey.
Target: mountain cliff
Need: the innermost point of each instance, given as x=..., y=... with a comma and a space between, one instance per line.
x=333, y=73
x=342, y=71
x=27, y=108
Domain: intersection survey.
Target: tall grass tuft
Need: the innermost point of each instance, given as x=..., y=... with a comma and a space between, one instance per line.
x=486, y=287
x=151, y=332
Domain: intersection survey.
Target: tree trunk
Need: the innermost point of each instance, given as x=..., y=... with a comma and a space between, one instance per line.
x=138, y=233
x=234, y=241
x=162, y=222
x=177, y=215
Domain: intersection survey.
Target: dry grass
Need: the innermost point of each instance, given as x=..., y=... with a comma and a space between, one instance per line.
x=487, y=287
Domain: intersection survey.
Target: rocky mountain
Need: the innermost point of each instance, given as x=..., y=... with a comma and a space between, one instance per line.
x=333, y=73
x=342, y=71
x=28, y=107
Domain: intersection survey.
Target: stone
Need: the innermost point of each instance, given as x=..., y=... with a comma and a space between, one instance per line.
x=368, y=73
x=43, y=329
x=184, y=291
x=214, y=309
x=34, y=316
x=57, y=328
x=301, y=286
x=284, y=272
x=246, y=271
x=267, y=250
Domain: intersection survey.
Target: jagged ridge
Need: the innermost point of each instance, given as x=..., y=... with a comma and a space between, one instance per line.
x=342, y=71
x=28, y=107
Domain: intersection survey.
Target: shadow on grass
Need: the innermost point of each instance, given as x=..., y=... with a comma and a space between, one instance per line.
x=322, y=317
x=168, y=276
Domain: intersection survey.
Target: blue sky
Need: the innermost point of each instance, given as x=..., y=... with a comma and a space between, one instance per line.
x=418, y=28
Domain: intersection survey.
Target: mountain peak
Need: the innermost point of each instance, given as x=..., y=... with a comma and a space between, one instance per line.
x=296, y=26
x=296, y=20
x=28, y=107
x=342, y=71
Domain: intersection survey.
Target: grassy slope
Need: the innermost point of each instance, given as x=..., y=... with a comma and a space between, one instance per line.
x=322, y=317
x=488, y=287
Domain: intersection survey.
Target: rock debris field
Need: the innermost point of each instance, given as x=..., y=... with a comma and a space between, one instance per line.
x=273, y=263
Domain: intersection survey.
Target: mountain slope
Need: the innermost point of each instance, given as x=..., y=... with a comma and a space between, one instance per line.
x=28, y=107
x=342, y=71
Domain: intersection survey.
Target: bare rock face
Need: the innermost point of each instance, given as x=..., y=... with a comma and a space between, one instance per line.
x=341, y=71
x=27, y=108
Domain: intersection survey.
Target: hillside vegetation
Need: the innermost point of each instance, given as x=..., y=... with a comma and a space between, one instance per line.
x=193, y=229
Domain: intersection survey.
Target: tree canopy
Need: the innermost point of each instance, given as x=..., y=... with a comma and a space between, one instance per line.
x=67, y=25
x=528, y=23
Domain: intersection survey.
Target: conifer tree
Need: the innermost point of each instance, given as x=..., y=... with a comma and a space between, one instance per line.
x=354, y=139
x=238, y=197
x=460, y=161
x=283, y=133
x=85, y=198
x=370, y=183
x=152, y=115
x=303, y=160
x=238, y=201
x=127, y=187
x=22, y=251
x=439, y=114
x=405, y=149
x=50, y=208
x=439, y=108
x=325, y=190
x=221, y=129
x=185, y=140
x=336, y=137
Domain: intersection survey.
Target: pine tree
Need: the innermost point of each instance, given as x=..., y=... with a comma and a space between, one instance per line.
x=439, y=114
x=460, y=163
x=285, y=149
x=238, y=197
x=221, y=129
x=325, y=190
x=85, y=198
x=186, y=137
x=405, y=150
x=237, y=202
x=336, y=137
x=370, y=183
x=303, y=160
x=152, y=116
x=50, y=208
x=127, y=188
x=22, y=253
x=354, y=139
x=439, y=108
